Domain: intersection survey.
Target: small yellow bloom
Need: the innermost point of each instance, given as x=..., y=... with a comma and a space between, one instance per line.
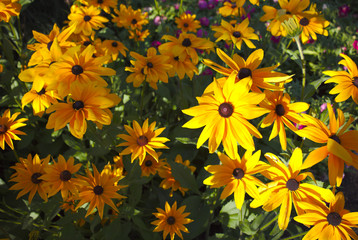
x=8, y=128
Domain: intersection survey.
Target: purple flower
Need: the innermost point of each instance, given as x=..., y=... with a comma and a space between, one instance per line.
x=188, y=12
x=355, y=45
x=155, y=44
x=204, y=21
x=207, y=71
x=202, y=4
x=201, y=33
x=176, y=6
x=157, y=20
x=343, y=10
x=177, y=34
x=275, y=39
x=323, y=107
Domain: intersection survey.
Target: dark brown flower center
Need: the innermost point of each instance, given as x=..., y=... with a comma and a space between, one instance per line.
x=176, y=58
x=355, y=81
x=288, y=12
x=86, y=43
x=35, y=178
x=78, y=105
x=244, y=73
x=134, y=21
x=304, y=21
x=238, y=173
x=49, y=44
x=236, y=34
x=280, y=110
x=98, y=190
x=335, y=138
x=114, y=44
x=87, y=18
x=226, y=109
x=171, y=220
x=292, y=184
x=186, y=25
x=142, y=71
x=142, y=140
x=65, y=175
x=233, y=5
x=41, y=92
x=100, y=1
x=149, y=64
x=186, y=42
x=334, y=219
x=77, y=70
x=3, y=128
x=148, y=163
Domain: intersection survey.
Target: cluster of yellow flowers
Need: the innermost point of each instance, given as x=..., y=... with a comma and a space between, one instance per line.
x=67, y=68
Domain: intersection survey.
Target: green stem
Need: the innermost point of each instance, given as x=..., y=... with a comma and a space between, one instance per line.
x=142, y=101
x=296, y=236
x=300, y=49
x=269, y=223
x=16, y=156
x=213, y=206
x=181, y=7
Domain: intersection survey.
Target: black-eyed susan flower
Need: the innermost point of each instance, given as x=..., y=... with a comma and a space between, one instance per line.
x=77, y=65
x=112, y=47
x=312, y=23
x=8, y=128
x=333, y=222
x=278, y=16
x=237, y=176
x=27, y=177
x=105, y=5
x=150, y=166
x=187, y=23
x=347, y=82
x=130, y=18
x=154, y=67
x=41, y=99
x=181, y=64
x=338, y=144
x=87, y=102
x=260, y=78
x=138, y=35
x=86, y=19
x=169, y=182
x=224, y=113
x=231, y=8
x=59, y=176
x=171, y=220
x=238, y=33
x=186, y=43
x=287, y=188
x=8, y=9
x=97, y=190
x=282, y=113
x=142, y=140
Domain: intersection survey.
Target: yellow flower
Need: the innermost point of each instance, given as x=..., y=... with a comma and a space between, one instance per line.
x=171, y=221
x=231, y=8
x=129, y=18
x=282, y=113
x=86, y=19
x=224, y=113
x=236, y=176
x=87, y=102
x=142, y=140
x=150, y=166
x=186, y=43
x=8, y=128
x=40, y=98
x=287, y=188
x=98, y=189
x=154, y=67
x=333, y=222
x=237, y=34
x=181, y=64
x=169, y=182
x=292, y=27
x=277, y=17
x=78, y=65
x=9, y=8
x=339, y=144
x=187, y=22
x=27, y=177
x=112, y=47
x=106, y=5
x=347, y=81
x=138, y=35
x=259, y=77
x=60, y=177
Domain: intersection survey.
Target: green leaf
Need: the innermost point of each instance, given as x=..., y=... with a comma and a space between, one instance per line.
x=72, y=142
x=311, y=88
x=69, y=231
x=184, y=176
x=117, y=230
x=135, y=194
x=230, y=215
